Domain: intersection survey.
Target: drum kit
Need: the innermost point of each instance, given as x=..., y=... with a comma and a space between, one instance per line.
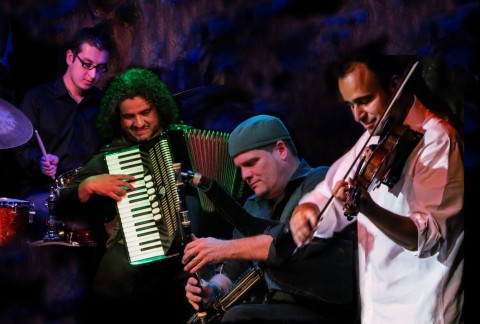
x=15, y=214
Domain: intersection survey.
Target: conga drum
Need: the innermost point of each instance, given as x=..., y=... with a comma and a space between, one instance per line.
x=14, y=217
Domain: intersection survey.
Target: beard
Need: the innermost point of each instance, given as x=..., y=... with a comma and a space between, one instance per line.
x=156, y=130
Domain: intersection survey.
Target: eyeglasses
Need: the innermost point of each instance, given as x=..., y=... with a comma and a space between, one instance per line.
x=101, y=68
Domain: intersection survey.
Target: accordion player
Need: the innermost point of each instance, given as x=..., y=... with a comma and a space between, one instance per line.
x=149, y=215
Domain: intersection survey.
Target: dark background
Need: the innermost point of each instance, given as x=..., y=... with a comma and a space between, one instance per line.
x=274, y=52
x=273, y=56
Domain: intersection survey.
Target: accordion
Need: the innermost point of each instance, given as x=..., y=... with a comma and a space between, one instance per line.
x=149, y=215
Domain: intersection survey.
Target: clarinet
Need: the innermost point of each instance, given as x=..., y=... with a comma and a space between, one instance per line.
x=187, y=232
x=247, y=224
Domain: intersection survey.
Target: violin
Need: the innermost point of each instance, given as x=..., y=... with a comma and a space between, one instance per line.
x=383, y=163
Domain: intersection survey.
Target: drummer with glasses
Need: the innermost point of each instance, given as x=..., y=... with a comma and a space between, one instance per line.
x=62, y=111
x=100, y=68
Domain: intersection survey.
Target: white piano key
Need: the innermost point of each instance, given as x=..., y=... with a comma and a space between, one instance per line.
x=128, y=222
x=124, y=205
x=145, y=247
x=134, y=240
x=150, y=254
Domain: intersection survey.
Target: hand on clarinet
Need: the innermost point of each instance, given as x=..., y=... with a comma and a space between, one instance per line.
x=197, y=295
x=201, y=252
x=49, y=165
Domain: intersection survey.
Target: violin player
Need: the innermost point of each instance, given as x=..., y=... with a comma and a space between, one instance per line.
x=410, y=232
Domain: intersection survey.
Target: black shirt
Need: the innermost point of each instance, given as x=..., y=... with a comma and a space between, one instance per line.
x=66, y=128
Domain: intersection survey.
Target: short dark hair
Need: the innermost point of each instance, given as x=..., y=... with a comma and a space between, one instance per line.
x=132, y=83
x=93, y=36
x=383, y=66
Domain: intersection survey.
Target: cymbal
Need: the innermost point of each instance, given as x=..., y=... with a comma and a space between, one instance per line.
x=15, y=127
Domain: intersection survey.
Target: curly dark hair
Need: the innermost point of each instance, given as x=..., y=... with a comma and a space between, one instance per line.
x=135, y=82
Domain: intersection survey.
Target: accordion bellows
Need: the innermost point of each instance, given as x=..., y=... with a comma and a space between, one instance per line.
x=208, y=152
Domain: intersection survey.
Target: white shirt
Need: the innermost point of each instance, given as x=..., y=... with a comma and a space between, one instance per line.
x=398, y=285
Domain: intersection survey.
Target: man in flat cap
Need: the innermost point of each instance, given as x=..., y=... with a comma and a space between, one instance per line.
x=303, y=287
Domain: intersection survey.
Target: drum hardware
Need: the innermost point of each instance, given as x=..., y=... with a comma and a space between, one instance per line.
x=31, y=212
x=52, y=232
x=77, y=234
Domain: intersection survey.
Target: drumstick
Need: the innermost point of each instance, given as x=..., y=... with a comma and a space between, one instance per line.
x=42, y=147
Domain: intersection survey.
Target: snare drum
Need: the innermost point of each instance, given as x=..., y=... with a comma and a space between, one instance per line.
x=66, y=179
x=14, y=217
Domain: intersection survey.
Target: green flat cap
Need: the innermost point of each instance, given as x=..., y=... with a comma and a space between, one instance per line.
x=257, y=132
